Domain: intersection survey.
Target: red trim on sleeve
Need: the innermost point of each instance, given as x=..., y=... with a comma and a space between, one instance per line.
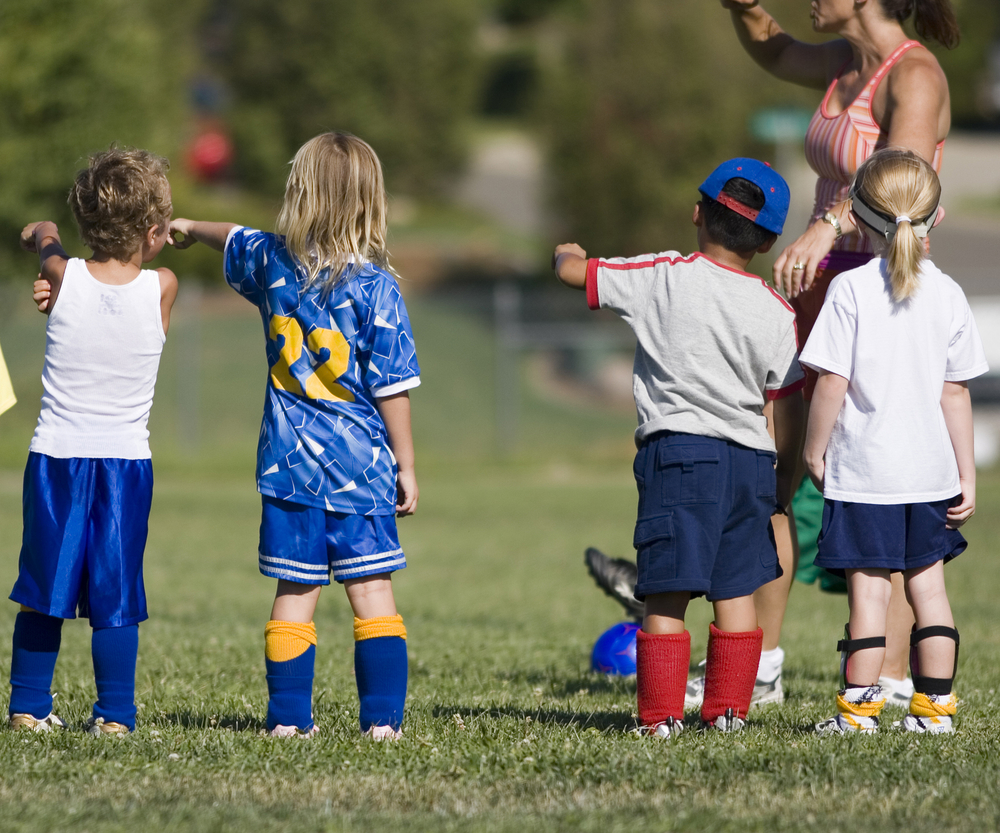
x=781, y=393
x=593, y=300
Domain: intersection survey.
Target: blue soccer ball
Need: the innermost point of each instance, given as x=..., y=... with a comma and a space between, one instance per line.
x=614, y=651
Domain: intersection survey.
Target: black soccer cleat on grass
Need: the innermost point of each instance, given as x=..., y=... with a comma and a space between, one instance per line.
x=616, y=577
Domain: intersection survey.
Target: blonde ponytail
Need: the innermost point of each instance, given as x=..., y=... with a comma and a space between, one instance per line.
x=895, y=194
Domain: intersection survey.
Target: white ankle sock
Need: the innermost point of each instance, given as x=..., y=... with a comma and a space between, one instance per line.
x=770, y=663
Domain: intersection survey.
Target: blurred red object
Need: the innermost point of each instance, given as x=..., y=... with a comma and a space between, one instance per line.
x=210, y=154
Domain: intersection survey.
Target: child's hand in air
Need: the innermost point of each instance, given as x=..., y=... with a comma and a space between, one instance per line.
x=182, y=227
x=570, y=264
x=567, y=249
x=28, y=242
x=739, y=5
x=965, y=509
x=407, y=492
x=41, y=291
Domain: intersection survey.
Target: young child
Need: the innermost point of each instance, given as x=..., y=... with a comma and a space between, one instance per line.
x=88, y=484
x=889, y=441
x=335, y=460
x=714, y=345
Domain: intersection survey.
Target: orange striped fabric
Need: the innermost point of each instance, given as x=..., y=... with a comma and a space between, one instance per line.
x=836, y=145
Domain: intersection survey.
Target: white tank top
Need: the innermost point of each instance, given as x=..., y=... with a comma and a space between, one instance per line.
x=102, y=351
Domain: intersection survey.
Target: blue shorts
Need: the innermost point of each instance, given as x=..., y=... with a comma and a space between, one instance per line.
x=306, y=544
x=896, y=537
x=85, y=526
x=704, y=521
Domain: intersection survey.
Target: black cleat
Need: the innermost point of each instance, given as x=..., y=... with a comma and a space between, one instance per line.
x=616, y=577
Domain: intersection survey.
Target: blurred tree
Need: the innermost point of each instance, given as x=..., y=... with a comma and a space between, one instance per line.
x=966, y=64
x=75, y=76
x=645, y=97
x=401, y=75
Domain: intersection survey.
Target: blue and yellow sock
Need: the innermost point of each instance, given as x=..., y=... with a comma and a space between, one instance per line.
x=290, y=657
x=114, y=651
x=33, y=662
x=380, y=669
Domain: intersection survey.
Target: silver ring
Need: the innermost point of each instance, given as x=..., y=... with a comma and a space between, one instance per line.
x=798, y=266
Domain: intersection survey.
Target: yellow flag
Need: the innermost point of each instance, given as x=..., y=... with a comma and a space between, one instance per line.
x=7, y=398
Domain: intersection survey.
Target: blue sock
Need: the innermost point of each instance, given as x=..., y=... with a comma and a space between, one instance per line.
x=36, y=646
x=380, y=668
x=114, y=651
x=290, y=659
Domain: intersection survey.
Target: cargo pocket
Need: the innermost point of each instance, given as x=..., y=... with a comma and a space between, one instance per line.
x=655, y=547
x=689, y=474
x=766, y=480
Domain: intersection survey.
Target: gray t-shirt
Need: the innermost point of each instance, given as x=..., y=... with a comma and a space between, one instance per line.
x=713, y=344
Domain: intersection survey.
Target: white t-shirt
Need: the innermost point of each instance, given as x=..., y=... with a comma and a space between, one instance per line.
x=890, y=444
x=710, y=341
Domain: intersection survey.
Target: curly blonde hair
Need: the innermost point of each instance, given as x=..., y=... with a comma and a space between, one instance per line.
x=334, y=212
x=118, y=197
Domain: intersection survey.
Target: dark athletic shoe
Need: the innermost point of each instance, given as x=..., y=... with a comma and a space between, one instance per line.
x=616, y=577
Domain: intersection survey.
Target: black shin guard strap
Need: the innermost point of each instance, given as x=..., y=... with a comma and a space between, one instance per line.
x=852, y=645
x=931, y=685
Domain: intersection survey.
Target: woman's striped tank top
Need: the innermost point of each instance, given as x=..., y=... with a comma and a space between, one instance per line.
x=837, y=145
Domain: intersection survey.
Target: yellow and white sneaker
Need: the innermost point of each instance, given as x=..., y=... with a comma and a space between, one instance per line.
x=932, y=714
x=858, y=709
x=99, y=726
x=34, y=724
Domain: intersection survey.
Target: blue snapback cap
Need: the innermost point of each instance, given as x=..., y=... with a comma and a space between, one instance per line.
x=776, y=193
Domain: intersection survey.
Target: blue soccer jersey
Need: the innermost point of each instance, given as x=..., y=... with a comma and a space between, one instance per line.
x=322, y=441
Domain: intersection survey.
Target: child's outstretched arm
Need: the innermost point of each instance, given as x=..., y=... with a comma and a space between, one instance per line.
x=570, y=264
x=213, y=235
x=395, y=413
x=43, y=239
x=956, y=404
x=828, y=399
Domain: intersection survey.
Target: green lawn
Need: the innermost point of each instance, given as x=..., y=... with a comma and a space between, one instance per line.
x=507, y=729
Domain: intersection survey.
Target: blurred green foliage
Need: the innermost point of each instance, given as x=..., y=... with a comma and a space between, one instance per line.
x=645, y=97
x=637, y=98
x=400, y=74
x=75, y=76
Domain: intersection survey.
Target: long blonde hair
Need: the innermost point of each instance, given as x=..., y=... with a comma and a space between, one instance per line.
x=334, y=213
x=900, y=191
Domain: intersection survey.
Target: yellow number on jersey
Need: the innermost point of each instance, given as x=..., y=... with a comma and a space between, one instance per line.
x=322, y=381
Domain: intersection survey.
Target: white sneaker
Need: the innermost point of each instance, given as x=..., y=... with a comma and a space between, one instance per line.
x=764, y=692
x=280, y=731
x=930, y=714
x=727, y=722
x=100, y=726
x=858, y=708
x=383, y=733
x=665, y=729
x=843, y=724
x=897, y=692
x=937, y=725
x=34, y=724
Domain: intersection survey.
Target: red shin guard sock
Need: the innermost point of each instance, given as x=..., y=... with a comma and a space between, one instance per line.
x=730, y=672
x=661, y=661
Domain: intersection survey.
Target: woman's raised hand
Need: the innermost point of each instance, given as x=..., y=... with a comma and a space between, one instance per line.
x=739, y=5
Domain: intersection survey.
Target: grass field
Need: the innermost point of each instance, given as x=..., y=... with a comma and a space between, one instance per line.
x=507, y=729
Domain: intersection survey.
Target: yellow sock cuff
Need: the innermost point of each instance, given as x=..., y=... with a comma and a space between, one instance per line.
x=872, y=708
x=923, y=706
x=378, y=626
x=287, y=640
